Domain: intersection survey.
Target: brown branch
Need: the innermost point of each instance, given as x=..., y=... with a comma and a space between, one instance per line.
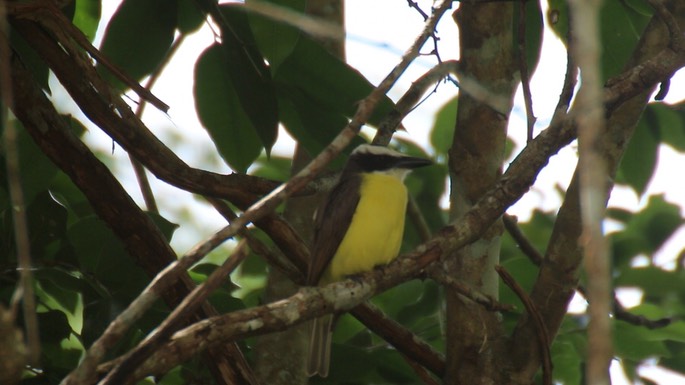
x=468, y=291
x=286, y=266
x=677, y=40
x=310, y=303
x=119, y=375
x=403, y=339
x=52, y=19
x=542, y=334
x=138, y=233
x=524, y=244
x=138, y=168
x=407, y=102
x=420, y=371
x=106, y=109
x=558, y=276
x=620, y=313
x=570, y=80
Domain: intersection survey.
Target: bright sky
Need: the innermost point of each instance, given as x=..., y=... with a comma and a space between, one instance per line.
x=374, y=48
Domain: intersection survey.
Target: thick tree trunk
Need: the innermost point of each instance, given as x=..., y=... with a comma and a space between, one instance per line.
x=474, y=335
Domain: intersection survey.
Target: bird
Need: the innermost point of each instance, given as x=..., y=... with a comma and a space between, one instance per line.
x=359, y=226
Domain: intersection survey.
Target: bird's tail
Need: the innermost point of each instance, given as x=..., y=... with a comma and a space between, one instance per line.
x=320, y=346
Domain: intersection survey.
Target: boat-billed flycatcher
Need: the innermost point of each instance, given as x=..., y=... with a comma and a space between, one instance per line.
x=360, y=225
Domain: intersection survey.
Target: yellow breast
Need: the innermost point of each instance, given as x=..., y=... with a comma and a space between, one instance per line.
x=375, y=233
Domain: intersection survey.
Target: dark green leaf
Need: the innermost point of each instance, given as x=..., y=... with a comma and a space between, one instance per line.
x=36, y=169
x=54, y=326
x=190, y=18
x=102, y=255
x=276, y=41
x=31, y=60
x=525, y=272
x=250, y=75
x=310, y=123
x=47, y=226
x=166, y=227
x=639, y=161
x=323, y=77
x=221, y=113
x=138, y=37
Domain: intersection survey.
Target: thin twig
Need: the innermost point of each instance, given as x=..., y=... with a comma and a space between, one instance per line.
x=136, y=309
x=543, y=335
x=570, y=79
x=364, y=110
x=524, y=243
x=416, y=217
x=309, y=24
x=51, y=18
x=523, y=68
x=174, y=320
x=24, y=291
x=138, y=168
x=677, y=40
x=620, y=313
x=403, y=339
x=274, y=259
x=491, y=304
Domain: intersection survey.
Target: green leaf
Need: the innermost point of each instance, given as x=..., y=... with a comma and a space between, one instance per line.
x=639, y=161
x=534, y=28
x=35, y=168
x=87, y=16
x=647, y=230
x=525, y=273
x=443, y=127
x=557, y=14
x=62, y=285
x=670, y=121
x=165, y=226
x=138, y=37
x=567, y=362
x=635, y=342
x=190, y=18
x=47, y=226
x=655, y=282
x=220, y=111
x=33, y=62
x=250, y=75
x=621, y=28
x=276, y=40
x=325, y=78
x=102, y=255
x=309, y=122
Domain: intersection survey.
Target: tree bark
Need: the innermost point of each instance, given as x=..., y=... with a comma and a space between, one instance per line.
x=474, y=335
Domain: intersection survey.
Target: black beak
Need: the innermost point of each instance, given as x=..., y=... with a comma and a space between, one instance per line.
x=410, y=162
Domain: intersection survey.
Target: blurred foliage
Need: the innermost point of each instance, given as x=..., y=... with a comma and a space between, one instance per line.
x=84, y=276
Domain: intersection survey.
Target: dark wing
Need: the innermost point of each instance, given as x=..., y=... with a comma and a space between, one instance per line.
x=329, y=229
